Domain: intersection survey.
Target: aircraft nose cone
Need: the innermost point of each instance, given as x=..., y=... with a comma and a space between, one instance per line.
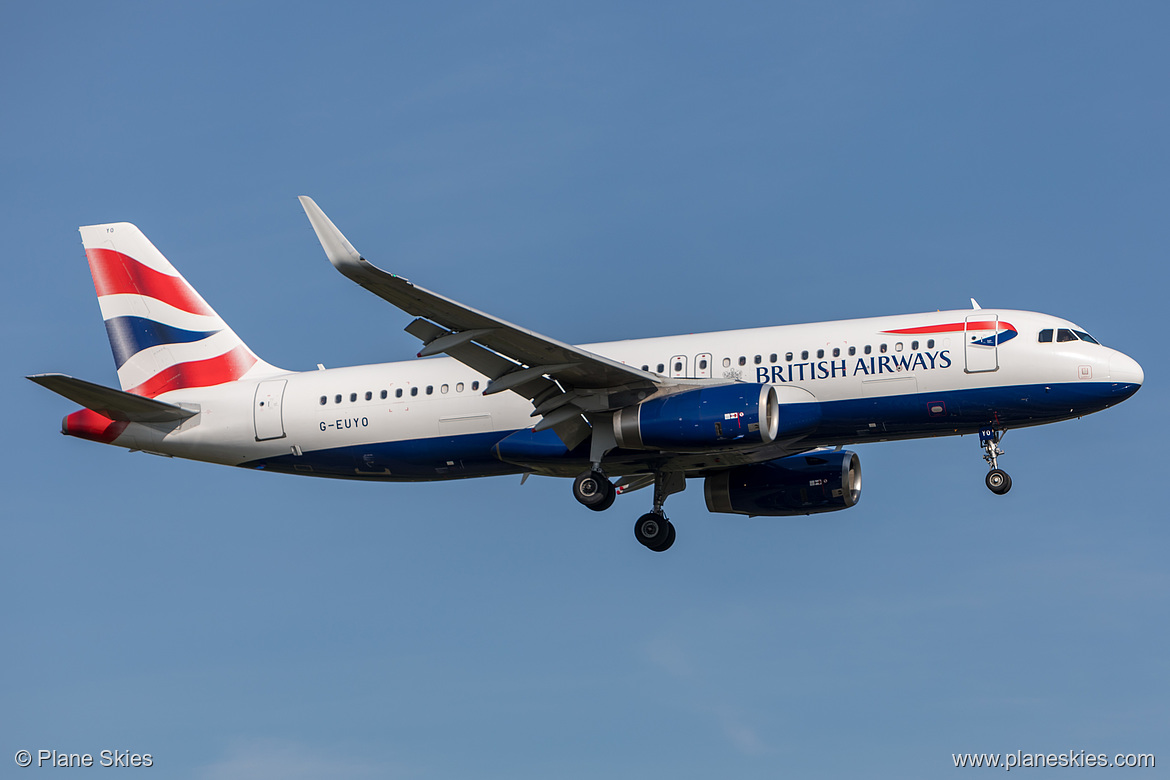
x=1124, y=370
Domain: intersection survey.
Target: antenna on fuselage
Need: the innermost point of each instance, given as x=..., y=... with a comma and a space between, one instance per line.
x=975, y=304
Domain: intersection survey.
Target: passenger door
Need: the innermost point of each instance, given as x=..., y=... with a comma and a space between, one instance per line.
x=980, y=350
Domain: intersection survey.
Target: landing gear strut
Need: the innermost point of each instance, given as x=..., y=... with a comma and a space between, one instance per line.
x=998, y=481
x=593, y=490
x=653, y=530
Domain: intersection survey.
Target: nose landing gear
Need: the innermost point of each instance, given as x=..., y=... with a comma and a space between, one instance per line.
x=997, y=480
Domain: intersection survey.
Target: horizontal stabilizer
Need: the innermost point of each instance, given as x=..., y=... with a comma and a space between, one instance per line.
x=111, y=403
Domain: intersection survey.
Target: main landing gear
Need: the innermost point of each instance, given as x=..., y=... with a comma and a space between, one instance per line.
x=998, y=481
x=593, y=490
x=652, y=530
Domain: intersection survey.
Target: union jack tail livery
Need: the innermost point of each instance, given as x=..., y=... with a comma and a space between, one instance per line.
x=163, y=334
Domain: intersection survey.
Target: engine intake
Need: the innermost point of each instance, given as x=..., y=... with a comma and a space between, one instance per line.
x=708, y=417
x=796, y=485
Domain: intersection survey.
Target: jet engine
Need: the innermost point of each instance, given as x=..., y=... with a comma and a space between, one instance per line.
x=818, y=481
x=724, y=415
x=721, y=416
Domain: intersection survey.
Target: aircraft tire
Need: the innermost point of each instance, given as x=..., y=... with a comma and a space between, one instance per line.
x=607, y=503
x=669, y=538
x=998, y=481
x=593, y=490
x=653, y=531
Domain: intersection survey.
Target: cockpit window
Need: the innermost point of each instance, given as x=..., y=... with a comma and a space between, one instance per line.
x=1065, y=334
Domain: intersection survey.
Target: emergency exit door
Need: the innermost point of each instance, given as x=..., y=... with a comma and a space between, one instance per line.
x=703, y=366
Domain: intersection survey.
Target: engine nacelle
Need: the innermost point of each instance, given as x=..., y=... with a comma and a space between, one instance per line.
x=724, y=415
x=796, y=485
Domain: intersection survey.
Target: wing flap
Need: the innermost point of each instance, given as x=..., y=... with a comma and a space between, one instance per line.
x=572, y=428
x=483, y=360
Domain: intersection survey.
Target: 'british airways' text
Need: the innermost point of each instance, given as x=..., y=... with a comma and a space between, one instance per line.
x=867, y=366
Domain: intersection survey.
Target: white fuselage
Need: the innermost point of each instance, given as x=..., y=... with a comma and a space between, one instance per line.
x=901, y=376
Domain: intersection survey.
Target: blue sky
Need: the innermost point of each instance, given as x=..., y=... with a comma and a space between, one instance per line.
x=592, y=171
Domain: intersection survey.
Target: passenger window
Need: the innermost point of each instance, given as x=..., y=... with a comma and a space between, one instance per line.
x=788, y=356
x=1064, y=334
x=882, y=348
x=852, y=351
x=459, y=388
x=868, y=349
x=323, y=400
x=703, y=364
x=820, y=353
x=398, y=393
x=742, y=360
x=661, y=368
x=836, y=352
x=646, y=367
x=1046, y=336
x=726, y=362
x=369, y=396
x=930, y=343
x=430, y=389
x=414, y=391
x=898, y=347
x=337, y=399
x=1086, y=337
x=678, y=365
x=383, y=394
x=444, y=389
x=352, y=397
x=913, y=345
x=804, y=355
x=759, y=359
x=475, y=385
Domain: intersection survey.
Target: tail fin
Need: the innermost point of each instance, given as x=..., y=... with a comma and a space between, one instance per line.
x=163, y=334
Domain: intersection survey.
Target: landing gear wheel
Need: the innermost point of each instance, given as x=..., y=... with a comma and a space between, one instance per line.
x=998, y=481
x=593, y=490
x=669, y=538
x=654, y=531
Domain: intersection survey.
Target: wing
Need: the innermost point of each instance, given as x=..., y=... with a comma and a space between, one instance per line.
x=561, y=380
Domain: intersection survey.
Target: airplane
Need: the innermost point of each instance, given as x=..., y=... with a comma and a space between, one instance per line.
x=761, y=415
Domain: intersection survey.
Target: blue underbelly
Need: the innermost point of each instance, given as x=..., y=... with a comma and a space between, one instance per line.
x=855, y=420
